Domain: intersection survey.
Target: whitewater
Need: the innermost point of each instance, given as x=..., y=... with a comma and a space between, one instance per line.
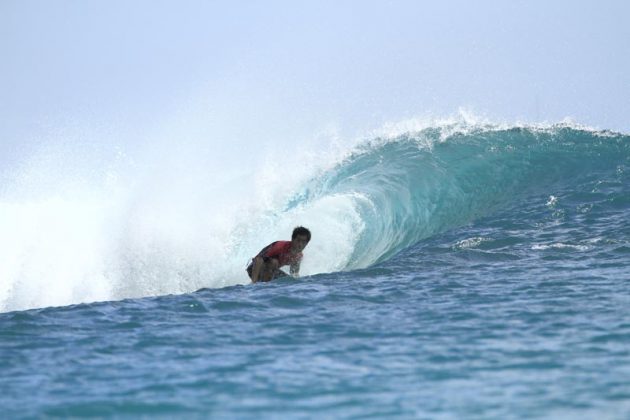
x=457, y=269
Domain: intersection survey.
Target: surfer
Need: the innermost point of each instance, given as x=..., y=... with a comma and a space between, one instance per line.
x=266, y=265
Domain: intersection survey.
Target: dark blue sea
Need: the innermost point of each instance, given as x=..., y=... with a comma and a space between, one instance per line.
x=454, y=272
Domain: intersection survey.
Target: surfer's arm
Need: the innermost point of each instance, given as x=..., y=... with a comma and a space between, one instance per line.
x=294, y=269
x=258, y=263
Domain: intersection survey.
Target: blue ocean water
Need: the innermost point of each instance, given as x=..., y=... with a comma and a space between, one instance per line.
x=488, y=278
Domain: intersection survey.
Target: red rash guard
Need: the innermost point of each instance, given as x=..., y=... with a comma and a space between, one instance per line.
x=281, y=250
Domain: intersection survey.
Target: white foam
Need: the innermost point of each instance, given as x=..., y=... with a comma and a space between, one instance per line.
x=470, y=243
x=559, y=245
x=79, y=228
x=553, y=200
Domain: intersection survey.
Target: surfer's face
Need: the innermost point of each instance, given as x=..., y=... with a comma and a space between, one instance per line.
x=299, y=243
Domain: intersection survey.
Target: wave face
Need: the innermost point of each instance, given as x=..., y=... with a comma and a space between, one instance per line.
x=413, y=186
x=161, y=233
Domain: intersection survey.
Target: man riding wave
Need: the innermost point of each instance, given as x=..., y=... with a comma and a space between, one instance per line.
x=265, y=266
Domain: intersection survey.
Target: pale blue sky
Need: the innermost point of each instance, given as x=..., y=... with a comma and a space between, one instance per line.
x=235, y=72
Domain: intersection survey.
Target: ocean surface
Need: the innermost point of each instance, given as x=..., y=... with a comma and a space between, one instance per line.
x=456, y=271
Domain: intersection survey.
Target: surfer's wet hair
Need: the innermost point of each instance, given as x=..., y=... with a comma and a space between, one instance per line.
x=301, y=230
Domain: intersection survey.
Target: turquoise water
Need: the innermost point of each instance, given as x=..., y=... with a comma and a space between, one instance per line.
x=490, y=279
